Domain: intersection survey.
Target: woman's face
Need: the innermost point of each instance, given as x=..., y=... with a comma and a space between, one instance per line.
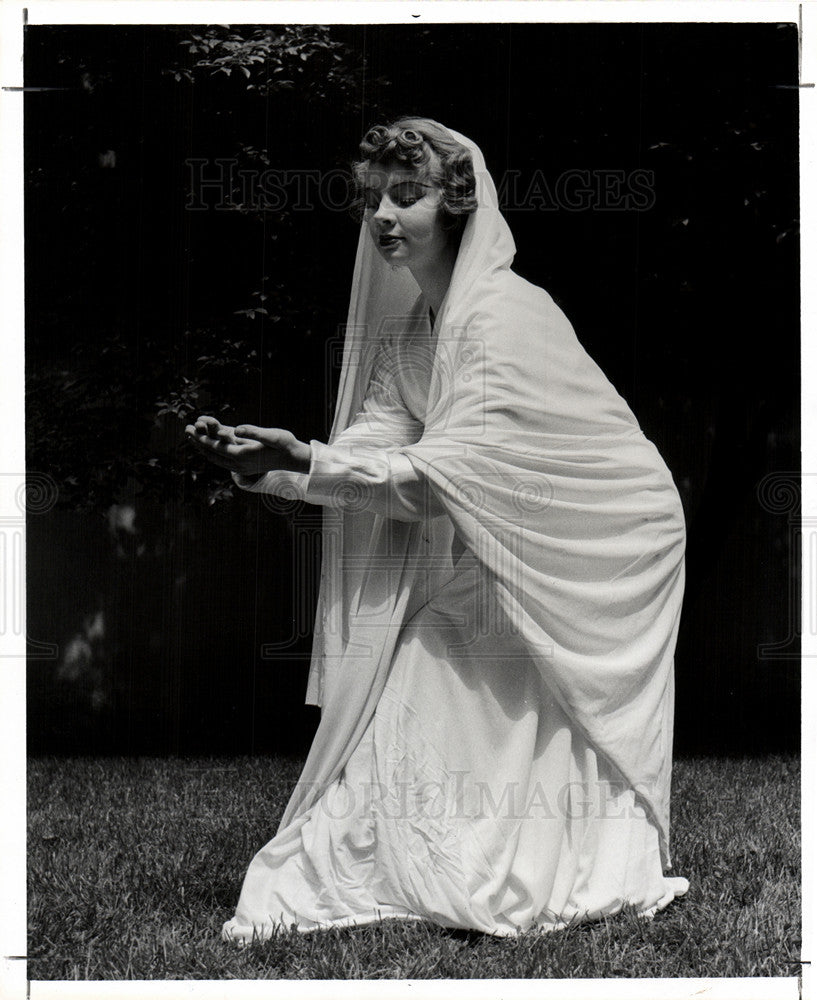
x=403, y=216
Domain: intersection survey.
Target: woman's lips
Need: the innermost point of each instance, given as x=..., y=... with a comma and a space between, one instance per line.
x=389, y=242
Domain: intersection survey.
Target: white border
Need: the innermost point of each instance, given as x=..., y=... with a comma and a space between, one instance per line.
x=12, y=675
x=470, y=989
x=12, y=463
x=399, y=11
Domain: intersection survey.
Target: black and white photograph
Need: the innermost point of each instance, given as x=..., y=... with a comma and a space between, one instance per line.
x=412, y=499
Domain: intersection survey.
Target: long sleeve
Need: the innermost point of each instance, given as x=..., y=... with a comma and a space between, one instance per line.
x=364, y=468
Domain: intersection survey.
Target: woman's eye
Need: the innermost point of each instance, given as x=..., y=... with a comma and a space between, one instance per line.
x=409, y=196
x=404, y=199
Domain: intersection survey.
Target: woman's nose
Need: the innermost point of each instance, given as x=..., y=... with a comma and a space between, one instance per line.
x=385, y=210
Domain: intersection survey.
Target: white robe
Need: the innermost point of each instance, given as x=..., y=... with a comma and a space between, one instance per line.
x=472, y=796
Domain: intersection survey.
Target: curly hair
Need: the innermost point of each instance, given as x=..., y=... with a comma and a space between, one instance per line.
x=426, y=146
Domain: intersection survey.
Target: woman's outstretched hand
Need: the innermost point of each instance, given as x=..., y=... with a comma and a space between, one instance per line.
x=248, y=450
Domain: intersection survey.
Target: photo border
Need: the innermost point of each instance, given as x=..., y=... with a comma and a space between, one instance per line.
x=13, y=15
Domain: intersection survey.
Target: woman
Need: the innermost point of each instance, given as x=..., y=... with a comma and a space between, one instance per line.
x=501, y=586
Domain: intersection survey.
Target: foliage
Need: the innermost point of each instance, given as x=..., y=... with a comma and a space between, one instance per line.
x=284, y=57
x=134, y=864
x=140, y=333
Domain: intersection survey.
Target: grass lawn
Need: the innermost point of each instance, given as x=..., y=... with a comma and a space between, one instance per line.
x=135, y=863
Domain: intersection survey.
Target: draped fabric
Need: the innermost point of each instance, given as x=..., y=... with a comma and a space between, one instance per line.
x=525, y=457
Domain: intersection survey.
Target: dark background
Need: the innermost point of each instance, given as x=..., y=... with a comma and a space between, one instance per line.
x=152, y=583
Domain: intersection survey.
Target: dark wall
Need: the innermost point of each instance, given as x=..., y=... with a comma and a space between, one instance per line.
x=688, y=299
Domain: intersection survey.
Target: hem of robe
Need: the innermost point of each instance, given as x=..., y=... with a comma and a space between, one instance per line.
x=240, y=934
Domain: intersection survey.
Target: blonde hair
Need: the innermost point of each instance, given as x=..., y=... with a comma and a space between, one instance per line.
x=423, y=145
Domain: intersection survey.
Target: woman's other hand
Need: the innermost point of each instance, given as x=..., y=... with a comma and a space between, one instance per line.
x=248, y=450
